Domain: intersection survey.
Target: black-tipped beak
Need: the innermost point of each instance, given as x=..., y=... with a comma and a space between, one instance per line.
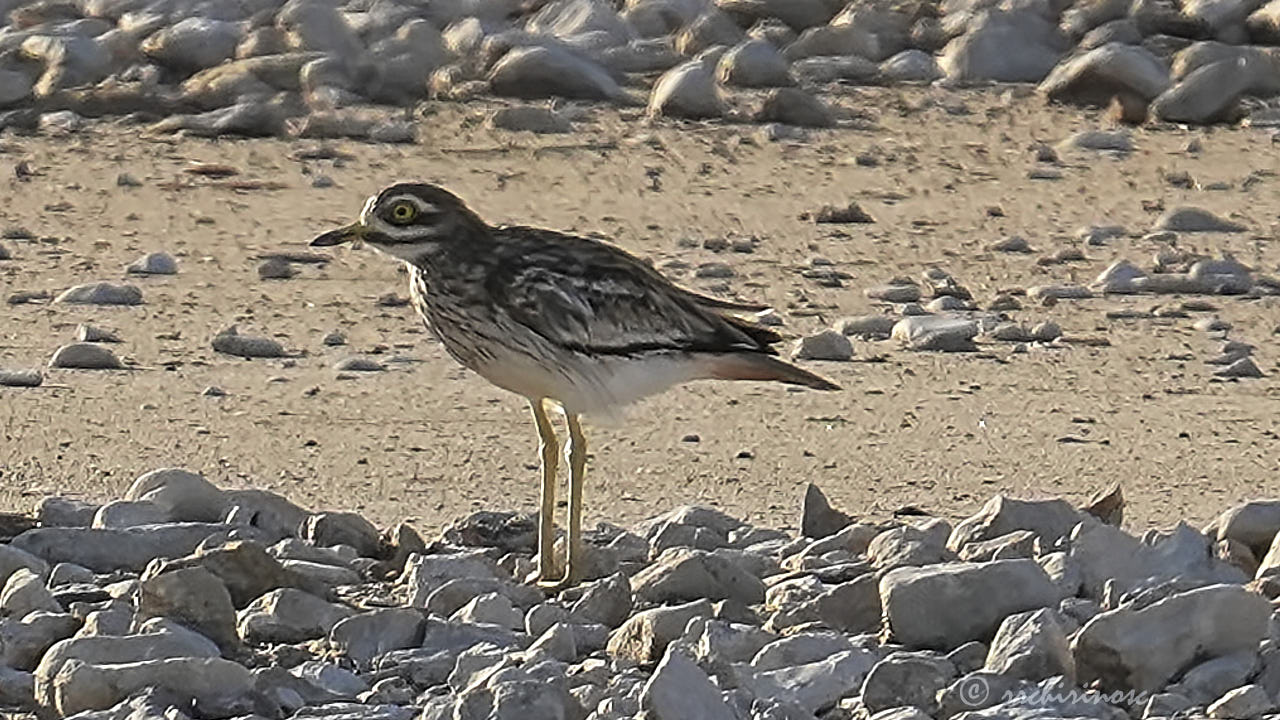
x=354, y=231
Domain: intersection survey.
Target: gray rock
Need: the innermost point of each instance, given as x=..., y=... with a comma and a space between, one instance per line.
x=55, y=511
x=101, y=293
x=154, y=264
x=1209, y=680
x=607, y=602
x=1050, y=520
x=1119, y=141
x=689, y=91
x=907, y=545
x=942, y=606
x=427, y=573
x=91, y=333
x=1105, y=554
x=876, y=327
x=1119, y=278
x=1017, y=544
x=104, y=550
x=907, y=678
x=367, y=635
x=288, y=615
x=792, y=106
x=1031, y=646
x=1225, y=276
x=276, y=269
x=682, y=574
x=103, y=650
x=403, y=60
x=231, y=342
x=754, y=63
x=1208, y=95
x=1254, y=523
x=185, y=495
x=193, y=44
x=23, y=593
x=1193, y=219
x=1165, y=704
x=85, y=356
x=127, y=513
x=824, y=69
x=1017, y=46
x=15, y=87
x=935, y=332
x=910, y=66
x=195, y=598
x=826, y=345
x=896, y=293
x=817, y=518
x=834, y=40
x=1143, y=648
x=81, y=686
x=549, y=71
x=530, y=118
x=1243, y=703
x=1094, y=77
x=1059, y=291
x=815, y=686
x=644, y=637
x=1245, y=367
x=449, y=597
x=13, y=559
x=680, y=689
x=21, y=378
x=317, y=26
x=490, y=609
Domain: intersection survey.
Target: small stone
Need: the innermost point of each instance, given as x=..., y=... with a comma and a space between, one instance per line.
x=21, y=378
x=85, y=356
x=213, y=391
x=1245, y=367
x=826, y=345
x=156, y=263
x=195, y=598
x=276, y=269
x=795, y=107
x=101, y=293
x=93, y=334
x=530, y=118
x=1193, y=219
x=360, y=364
x=342, y=528
x=679, y=689
x=817, y=518
x=893, y=293
x=1047, y=331
x=1101, y=140
x=1012, y=244
x=1243, y=703
x=714, y=270
x=936, y=333
x=231, y=342
x=334, y=339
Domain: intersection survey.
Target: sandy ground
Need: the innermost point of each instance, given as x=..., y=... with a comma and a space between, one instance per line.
x=429, y=441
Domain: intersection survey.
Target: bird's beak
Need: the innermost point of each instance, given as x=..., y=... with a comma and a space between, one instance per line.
x=354, y=231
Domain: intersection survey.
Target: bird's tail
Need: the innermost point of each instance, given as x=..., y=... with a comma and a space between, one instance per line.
x=758, y=366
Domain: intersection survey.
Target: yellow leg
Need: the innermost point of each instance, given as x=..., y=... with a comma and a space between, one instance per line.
x=549, y=448
x=577, y=472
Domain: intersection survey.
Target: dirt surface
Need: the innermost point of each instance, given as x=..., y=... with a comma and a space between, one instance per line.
x=944, y=174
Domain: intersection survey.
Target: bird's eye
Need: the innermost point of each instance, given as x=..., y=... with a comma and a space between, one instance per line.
x=403, y=213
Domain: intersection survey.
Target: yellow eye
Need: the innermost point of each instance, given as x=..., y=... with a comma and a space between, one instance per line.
x=403, y=212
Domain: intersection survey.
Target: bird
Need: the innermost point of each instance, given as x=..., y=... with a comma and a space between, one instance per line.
x=572, y=324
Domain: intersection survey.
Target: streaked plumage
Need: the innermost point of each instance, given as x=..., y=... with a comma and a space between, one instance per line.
x=560, y=318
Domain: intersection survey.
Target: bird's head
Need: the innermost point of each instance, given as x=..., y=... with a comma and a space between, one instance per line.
x=409, y=221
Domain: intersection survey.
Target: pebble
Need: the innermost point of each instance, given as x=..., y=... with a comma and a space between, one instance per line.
x=360, y=364
x=101, y=293
x=85, y=356
x=276, y=269
x=1244, y=367
x=1193, y=219
x=156, y=263
x=334, y=338
x=826, y=345
x=530, y=118
x=231, y=342
x=21, y=378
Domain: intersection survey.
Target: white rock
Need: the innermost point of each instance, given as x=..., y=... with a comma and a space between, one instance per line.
x=911, y=66
x=101, y=293
x=935, y=332
x=945, y=605
x=548, y=71
x=826, y=345
x=688, y=91
x=80, y=686
x=754, y=64
x=1019, y=46
x=679, y=689
x=1143, y=648
x=1118, y=278
x=1243, y=703
x=194, y=43
x=1094, y=77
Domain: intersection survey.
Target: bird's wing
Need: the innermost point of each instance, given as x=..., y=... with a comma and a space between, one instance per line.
x=592, y=297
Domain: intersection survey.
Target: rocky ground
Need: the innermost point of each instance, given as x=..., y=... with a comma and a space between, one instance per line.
x=1031, y=240
x=182, y=600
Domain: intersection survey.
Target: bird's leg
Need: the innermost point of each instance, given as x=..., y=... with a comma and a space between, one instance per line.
x=577, y=470
x=549, y=448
